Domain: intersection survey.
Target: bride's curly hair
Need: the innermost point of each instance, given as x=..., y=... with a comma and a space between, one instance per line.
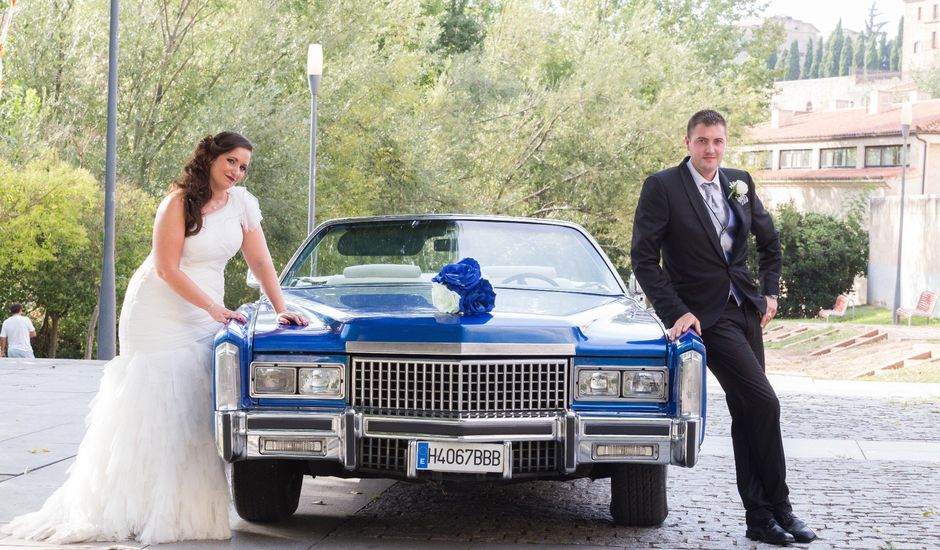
x=194, y=179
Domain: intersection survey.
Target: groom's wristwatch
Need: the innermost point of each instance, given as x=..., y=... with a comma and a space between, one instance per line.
x=774, y=296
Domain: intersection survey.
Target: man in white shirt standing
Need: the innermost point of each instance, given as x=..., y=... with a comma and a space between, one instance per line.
x=15, y=334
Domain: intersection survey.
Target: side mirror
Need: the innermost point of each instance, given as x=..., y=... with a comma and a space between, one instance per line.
x=251, y=281
x=635, y=289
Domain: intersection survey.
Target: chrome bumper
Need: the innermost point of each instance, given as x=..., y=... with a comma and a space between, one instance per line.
x=336, y=434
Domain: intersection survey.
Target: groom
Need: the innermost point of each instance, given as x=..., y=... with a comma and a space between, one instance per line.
x=697, y=219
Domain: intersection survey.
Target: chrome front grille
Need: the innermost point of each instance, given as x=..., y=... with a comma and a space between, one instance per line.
x=383, y=455
x=532, y=457
x=394, y=384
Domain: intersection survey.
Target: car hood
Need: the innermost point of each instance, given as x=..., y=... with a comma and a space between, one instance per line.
x=593, y=324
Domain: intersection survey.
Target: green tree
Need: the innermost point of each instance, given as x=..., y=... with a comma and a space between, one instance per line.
x=873, y=25
x=782, y=70
x=6, y=19
x=461, y=29
x=858, y=63
x=848, y=57
x=872, y=55
x=822, y=256
x=552, y=110
x=793, y=71
x=884, y=53
x=818, y=62
x=808, y=60
x=833, y=58
x=21, y=118
x=896, y=46
x=52, y=225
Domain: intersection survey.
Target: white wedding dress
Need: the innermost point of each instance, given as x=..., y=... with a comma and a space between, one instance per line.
x=147, y=468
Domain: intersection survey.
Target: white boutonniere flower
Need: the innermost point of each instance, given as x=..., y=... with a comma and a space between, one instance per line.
x=738, y=191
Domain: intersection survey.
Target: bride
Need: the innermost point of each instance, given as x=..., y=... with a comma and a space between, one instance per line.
x=147, y=467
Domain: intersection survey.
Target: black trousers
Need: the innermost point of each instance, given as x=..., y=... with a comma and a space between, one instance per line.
x=734, y=349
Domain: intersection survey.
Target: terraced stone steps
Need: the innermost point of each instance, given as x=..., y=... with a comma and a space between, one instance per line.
x=784, y=334
x=870, y=337
x=813, y=338
x=920, y=358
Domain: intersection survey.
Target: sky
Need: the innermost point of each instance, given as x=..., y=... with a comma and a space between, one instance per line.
x=826, y=13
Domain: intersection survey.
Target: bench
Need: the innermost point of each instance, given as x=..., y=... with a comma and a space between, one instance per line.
x=924, y=308
x=838, y=310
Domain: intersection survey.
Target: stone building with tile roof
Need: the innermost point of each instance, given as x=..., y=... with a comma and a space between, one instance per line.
x=824, y=161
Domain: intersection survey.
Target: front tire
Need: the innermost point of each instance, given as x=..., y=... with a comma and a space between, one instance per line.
x=638, y=495
x=266, y=490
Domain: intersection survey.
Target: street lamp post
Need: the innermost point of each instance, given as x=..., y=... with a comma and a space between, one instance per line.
x=314, y=70
x=906, y=117
x=107, y=310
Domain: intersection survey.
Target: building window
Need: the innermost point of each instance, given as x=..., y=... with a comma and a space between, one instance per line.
x=934, y=11
x=885, y=155
x=916, y=46
x=918, y=14
x=796, y=158
x=840, y=157
x=933, y=40
x=758, y=160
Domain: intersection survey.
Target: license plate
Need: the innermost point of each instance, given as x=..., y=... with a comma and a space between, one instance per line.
x=441, y=456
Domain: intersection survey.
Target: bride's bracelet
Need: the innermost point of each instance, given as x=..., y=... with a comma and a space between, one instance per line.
x=208, y=307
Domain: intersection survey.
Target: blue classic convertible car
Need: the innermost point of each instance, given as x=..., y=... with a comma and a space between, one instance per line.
x=569, y=376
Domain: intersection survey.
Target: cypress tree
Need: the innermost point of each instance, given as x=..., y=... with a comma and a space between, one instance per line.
x=826, y=67
x=783, y=65
x=884, y=54
x=817, y=63
x=808, y=61
x=872, y=61
x=833, y=58
x=772, y=60
x=859, y=62
x=897, y=46
x=793, y=69
x=848, y=57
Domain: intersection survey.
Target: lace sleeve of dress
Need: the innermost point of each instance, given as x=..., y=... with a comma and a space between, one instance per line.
x=250, y=216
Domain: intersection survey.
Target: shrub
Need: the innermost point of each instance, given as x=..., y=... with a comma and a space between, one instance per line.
x=822, y=255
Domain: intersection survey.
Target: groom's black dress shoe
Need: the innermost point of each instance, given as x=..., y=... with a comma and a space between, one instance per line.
x=771, y=533
x=796, y=527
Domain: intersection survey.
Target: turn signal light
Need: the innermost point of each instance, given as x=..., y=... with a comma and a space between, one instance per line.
x=291, y=446
x=626, y=451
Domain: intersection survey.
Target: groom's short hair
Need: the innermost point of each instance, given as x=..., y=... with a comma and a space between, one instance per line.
x=706, y=117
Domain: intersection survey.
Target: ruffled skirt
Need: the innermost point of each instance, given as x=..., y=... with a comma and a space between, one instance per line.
x=147, y=468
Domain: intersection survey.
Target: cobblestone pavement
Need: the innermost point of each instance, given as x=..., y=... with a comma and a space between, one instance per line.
x=844, y=417
x=887, y=500
x=853, y=504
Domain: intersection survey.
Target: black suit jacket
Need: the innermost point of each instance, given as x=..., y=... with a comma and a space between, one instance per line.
x=672, y=223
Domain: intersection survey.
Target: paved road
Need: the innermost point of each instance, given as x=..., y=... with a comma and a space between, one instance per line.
x=864, y=467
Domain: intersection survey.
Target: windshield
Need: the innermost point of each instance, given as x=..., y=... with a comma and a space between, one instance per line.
x=511, y=255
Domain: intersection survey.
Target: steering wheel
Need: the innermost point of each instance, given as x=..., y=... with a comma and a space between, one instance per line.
x=521, y=277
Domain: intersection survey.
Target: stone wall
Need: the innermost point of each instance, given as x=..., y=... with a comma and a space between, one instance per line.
x=920, y=256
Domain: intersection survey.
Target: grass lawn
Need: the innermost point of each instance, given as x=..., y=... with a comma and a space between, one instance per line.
x=869, y=315
x=926, y=373
x=813, y=339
